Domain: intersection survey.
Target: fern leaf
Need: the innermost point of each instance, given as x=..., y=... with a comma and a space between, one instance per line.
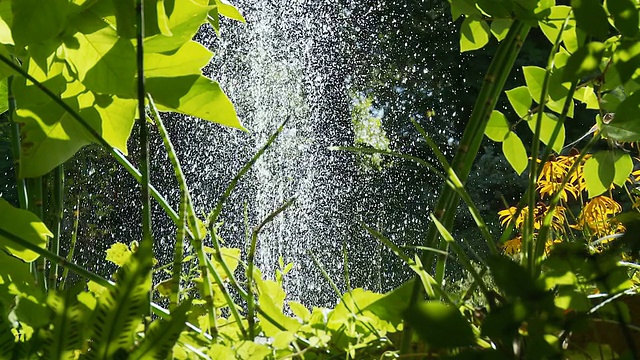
x=120, y=310
x=7, y=339
x=68, y=323
x=162, y=335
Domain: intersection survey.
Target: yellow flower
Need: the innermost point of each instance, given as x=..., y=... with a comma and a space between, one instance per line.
x=553, y=173
x=577, y=177
x=549, y=245
x=596, y=214
x=513, y=246
x=551, y=187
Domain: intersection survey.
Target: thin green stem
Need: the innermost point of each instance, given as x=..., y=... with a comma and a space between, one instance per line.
x=178, y=254
x=21, y=184
x=57, y=207
x=36, y=206
x=227, y=297
x=72, y=246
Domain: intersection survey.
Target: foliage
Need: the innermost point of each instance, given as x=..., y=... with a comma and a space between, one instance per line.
x=72, y=79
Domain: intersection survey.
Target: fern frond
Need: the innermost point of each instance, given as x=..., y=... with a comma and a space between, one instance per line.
x=7, y=339
x=119, y=311
x=162, y=335
x=68, y=322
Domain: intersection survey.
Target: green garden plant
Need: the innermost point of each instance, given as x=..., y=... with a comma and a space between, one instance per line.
x=79, y=72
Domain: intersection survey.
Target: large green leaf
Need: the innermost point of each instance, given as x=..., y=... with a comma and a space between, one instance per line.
x=36, y=21
x=187, y=60
x=25, y=225
x=440, y=325
x=625, y=16
x=500, y=28
x=271, y=299
x=520, y=100
x=591, y=17
x=600, y=171
x=626, y=59
x=625, y=126
x=162, y=335
x=6, y=19
x=103, y=62
x=497, y=127
x=515, y=152
x=552, y=23
x=67, y=335
x=194, y=95
x=184, y=21
x=474, y=33
x=584, y=61
x=547, y=127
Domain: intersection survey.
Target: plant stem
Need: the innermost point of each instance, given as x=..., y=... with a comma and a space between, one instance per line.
x=74, y=241
x=36, y=202
x=57, y=207
x=21, y=184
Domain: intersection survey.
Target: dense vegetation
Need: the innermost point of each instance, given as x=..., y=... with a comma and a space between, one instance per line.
x=560, y=282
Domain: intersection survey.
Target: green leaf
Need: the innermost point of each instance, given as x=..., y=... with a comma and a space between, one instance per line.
x=466, y=7
x=515, y=152
x=520, y=100
x=547, y=127
x=189, y=59
x=119, y=310
x=558, y=93
x=583, y=62
x=68, y=325
x=4, y=96
x=599, y=172
x=299, y=310
x=573, y=37
x=393, y=304
x=194, y=95
x=625, y=16
x=36, y=21
x=184, y=22
x=591, y=17
x=227, y=10
x=500, y=28
x=495, y=9
x=162, y=335
x=103, y=62
x=534, y=78
x=623, y=167
x=497, y=127
x=587, y=96
x=249, y=350
x=553, y=22
x=440, y=325
x=25, y=225
x=474, y=34
x=271, y=298
x=118, y=254
x=625, y=126
x=6, y=19
x=626, y=59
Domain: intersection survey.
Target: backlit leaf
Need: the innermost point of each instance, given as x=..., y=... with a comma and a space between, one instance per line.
x=584, y=61
x=194, y=95
x=500, y=28
x=474, y=34
x=625, y=126
x=626, y=59
x=515, y=152
x=184, y=22
x=623, y=165
x=534, y=77
x=25, y=225
x=189, y=59
x=118, y=254
x=599, y=172
x=547, y=128
x=497, y=127
x=466, y=7
x=520, y=100
x=591, y=17
x=227, y=10
x=552, y=23
x=587, y=96
x=625, y=16
x=36, y=21
x=440, y=325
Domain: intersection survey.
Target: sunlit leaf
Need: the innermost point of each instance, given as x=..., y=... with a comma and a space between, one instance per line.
x=599, y=172
x=623, y=167
x=534, y=78
x=625, y=126
x=6, y=19
x=474, y=34
x=497, y=127
x=584, y=61
x=187, y=60
x=625, y=16
x=25, y=225
x=587, y=96
x=440, y=325
x=547, y=127
x=626, y=59
x=227, y=10
x=466, y=7
x=553, y=22
x=591, y=17
x=194, y=95
x=520, y=100
x=500, y=28
x=184, y=22
x=515, y=152
x=118, y=254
